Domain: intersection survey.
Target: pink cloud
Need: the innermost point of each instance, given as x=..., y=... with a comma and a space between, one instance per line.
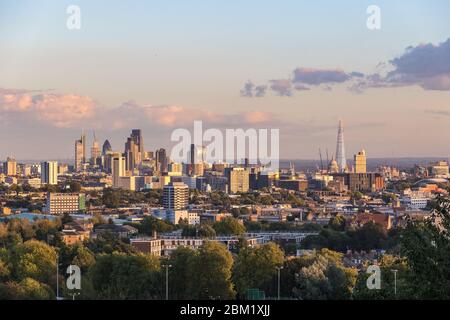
x=71, y=111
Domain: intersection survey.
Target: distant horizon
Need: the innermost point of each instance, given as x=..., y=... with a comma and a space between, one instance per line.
x=301, y=73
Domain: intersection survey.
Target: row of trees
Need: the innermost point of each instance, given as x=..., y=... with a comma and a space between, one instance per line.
x=112, y=269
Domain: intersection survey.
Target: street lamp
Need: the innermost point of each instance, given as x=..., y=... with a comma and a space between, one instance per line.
x=167, y=279
x=57, y=278
x=279, y=271
x=395, y=281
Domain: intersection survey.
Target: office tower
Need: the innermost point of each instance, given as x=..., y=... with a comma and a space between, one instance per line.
x=80, y=152
x=106, y=147
x=49, y=172
x=197, y=155
x=161, y=161
x=10, y=167
x=131, y=154
x=360, y=162
x=340, y=149
x=118, y=170
x=238, y=179
x=108, y=160
x=136, y=134
x=134, y=150
x=95, y=151
x=175, y=196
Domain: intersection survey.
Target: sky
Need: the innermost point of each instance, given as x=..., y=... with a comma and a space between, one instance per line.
x=297, y=66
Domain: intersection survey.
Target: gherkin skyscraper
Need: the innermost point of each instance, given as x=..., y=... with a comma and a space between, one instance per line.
x=340, y=148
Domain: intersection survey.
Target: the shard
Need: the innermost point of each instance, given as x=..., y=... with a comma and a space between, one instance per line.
x=340, y=149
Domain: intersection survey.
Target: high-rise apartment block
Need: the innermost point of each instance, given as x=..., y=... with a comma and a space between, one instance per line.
x=49, y=172
x=238, y=179
x=175, y=196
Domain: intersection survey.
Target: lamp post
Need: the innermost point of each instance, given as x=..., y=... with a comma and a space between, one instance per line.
x=395, y=281
x=167, y=279
x=279, y=271
x=57, y=277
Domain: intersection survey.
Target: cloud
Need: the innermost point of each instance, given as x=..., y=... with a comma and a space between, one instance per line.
x=60, y=110
x=282, y=87
x=302, y=80
x=444, y=113
x=251, y=90
x=260, y=91
x=75, y=111
x=300, y=87
x=319, y=76
x=424, y=65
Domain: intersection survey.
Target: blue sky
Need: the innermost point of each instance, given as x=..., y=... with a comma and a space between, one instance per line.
x=199, y=54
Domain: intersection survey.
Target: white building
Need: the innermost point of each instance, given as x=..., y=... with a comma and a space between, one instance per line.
x=61, y=203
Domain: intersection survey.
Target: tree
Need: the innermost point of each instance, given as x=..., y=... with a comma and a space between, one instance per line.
x=3, y=234
x=204, y=231
x=111, y=198
x=34, y=259
x=78, y=255
x=256, y=268
x=151, y=224
x=26, y=289
x=43, y=228
x=337, y=223
x=183, y=262
x=426, y=244
x=121, y=276
x=387, y=264
x=325, y=277
x=370, y=236
x=108, y=243
x=212, y=275
x=229, y=226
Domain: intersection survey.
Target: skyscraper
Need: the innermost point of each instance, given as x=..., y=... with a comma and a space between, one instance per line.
x=134, y=150
x=106, y=147
x=340, y=149
x=117, y=169
x=360, y=162
x=197, y=155
x=10, y=167
x=161, y=161
x=80, y=152
x=49, y=172
x=131, y=154
x=175, y=196
x=95, y=151
x=136, y=134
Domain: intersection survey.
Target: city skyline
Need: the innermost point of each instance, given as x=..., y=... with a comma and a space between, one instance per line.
x=390, y=86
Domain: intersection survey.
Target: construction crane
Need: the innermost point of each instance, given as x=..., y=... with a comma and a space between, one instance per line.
x=321, y=161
